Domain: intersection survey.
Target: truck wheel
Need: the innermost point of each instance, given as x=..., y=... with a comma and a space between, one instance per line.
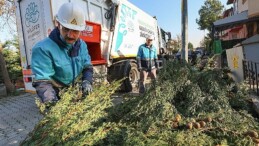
x=131, y=83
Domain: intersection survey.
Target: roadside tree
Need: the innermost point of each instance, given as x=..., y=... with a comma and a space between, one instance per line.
x=5, y=75
x=12, y=58
x=7, y=17
x=190, y=46
x=209, y=13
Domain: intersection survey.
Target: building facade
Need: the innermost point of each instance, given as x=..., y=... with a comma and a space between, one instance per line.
x=239, y=31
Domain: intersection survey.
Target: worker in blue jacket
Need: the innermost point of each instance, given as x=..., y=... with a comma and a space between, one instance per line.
x=59, y=59
x=147, y=62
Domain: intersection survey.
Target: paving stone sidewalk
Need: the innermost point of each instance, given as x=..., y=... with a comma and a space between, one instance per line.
x=18, y=116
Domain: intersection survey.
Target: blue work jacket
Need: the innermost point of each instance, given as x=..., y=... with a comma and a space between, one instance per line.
x=61, y=62
x=147, y=57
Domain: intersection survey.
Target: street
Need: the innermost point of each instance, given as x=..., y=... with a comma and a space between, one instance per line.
x=18, y=116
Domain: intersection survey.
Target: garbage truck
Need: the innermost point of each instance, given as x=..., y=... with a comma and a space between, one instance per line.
x=114, y=31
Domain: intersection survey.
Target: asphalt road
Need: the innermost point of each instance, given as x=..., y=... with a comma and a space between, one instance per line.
x=18, y=116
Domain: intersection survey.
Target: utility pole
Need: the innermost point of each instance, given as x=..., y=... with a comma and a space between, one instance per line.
x=184, y=52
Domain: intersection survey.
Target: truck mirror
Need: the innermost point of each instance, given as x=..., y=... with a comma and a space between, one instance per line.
x=169, y=35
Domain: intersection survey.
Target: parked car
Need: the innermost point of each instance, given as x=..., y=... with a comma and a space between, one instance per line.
x=178, y=55
x=199, y=53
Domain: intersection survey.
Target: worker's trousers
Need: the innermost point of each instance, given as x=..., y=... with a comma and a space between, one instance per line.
x=143, y=78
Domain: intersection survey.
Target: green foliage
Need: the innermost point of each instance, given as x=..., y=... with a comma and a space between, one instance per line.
x=174, y=45
x=12, y=59
x=180, y=96
x=75, y=119
x=209, y=13
x=13, y=63
x=206, y=43
x=190, y=46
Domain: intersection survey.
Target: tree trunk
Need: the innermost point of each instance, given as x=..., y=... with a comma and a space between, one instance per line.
x=8, y=84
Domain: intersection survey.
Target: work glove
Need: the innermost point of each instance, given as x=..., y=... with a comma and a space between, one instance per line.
x=45, y=91
x=87, y=87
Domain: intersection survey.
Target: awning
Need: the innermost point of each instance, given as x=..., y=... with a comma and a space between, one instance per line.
x=225, y=34
x=251, y=40
x=236, y=29
x=232, y=20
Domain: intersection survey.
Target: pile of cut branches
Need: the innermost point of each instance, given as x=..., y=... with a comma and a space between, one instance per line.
x=184, y=107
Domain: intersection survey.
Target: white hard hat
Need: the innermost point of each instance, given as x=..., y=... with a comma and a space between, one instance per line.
x=71, y=16
x=149, y=37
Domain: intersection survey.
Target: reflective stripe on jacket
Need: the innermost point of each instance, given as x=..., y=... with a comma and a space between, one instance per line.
x=147, y=57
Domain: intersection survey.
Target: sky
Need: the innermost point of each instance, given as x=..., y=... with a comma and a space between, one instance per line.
x=168, y=13
x=6, y=33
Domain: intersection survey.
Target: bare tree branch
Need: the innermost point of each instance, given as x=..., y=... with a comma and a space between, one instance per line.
x=7, y=15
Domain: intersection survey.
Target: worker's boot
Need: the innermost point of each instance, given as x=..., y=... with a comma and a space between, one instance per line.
x=141, y=87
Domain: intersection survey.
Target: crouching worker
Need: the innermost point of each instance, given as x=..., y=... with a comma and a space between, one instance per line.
x=147, y=62
x=58, y=59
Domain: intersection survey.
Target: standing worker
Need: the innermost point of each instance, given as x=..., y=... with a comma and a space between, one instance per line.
x=58, y=59
x=147, y=62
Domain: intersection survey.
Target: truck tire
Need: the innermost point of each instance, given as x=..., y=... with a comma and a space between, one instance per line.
x=131, y=82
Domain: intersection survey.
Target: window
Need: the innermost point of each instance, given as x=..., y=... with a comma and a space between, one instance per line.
x=234, y=36
x=250, y=29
